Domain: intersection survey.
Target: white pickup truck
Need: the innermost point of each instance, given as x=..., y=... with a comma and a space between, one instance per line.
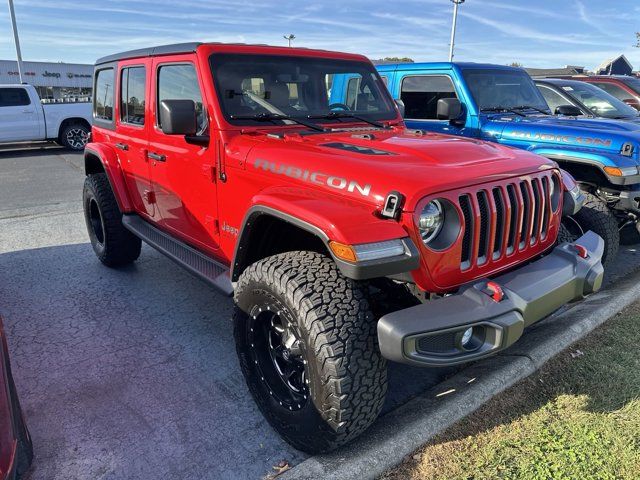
x=23, y=118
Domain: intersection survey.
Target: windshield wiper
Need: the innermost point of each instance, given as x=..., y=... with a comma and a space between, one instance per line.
x=502, y=109
x=339, y=115
x=529, y=107
x=272, y=117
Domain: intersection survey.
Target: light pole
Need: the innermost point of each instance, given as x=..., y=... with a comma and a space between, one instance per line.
x=453, y=26
x=289, y=38
x=12, y=13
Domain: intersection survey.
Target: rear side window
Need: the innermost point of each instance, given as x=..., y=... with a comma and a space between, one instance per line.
x=420, y=95
x=179, y=82
x=13, y=97
x=103, y=95
x=613, y=89
x=132, y=95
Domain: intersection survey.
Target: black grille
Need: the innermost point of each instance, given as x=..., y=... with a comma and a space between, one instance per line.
x=441, y=343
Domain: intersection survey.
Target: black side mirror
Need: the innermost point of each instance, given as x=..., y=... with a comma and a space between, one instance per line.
x=401, y=107
x=449, y=109
x=568, y=110
x=178, y=117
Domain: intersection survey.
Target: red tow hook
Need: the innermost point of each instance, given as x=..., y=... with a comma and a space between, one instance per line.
x=494, y=291
x=582, y=251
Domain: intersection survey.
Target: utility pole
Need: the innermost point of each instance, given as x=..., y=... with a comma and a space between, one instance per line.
x=15, y=38
x=453, y=26
x=289, y=38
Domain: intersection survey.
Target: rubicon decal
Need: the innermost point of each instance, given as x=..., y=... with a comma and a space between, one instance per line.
x=319, y=178
x=550, y=137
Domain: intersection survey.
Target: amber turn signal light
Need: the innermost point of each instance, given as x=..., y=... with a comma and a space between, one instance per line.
x=343, y=252
x=616, y=172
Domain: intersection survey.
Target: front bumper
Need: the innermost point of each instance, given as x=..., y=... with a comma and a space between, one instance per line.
x=629, y=200
x=431, y=334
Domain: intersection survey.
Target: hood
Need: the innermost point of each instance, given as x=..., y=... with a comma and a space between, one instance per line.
x=367, y=166
x=600, y=134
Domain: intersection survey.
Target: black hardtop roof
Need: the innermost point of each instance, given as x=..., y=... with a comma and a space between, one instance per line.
x=151, y=52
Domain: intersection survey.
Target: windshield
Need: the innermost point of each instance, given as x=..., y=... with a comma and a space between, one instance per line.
x=598, y=101
x=268, y=87
x=495, y=89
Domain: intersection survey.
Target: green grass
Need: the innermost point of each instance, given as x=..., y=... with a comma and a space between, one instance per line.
x=576, y=418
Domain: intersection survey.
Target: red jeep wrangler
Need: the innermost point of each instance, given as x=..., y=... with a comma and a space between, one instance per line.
x=345, y=239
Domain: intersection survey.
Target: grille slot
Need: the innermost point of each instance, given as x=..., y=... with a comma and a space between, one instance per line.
x=526, y=216
x=465, y=206
x=501, y=220
x=485, y=221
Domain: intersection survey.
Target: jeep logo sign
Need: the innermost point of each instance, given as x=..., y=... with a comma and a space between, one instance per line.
x=339, y=183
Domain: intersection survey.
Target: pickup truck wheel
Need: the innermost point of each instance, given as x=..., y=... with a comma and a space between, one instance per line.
x=307, y=344
x=597, y=217
x=113, y=244
x=75, y=136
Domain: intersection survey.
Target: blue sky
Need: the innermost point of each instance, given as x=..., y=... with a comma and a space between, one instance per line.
x=537, y=33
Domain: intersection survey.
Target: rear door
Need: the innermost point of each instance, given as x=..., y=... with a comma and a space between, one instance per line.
x=131, y=136
x=18, y=116
x=183, y=174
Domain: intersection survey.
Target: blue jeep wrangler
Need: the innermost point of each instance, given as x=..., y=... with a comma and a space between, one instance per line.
x=502, y=104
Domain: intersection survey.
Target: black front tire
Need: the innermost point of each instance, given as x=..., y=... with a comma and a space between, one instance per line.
x=342, y=380
x=113, y=244
x=597, y=217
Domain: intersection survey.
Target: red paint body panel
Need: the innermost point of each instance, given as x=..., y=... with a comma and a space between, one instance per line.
x=336, y=190
x=9, y=412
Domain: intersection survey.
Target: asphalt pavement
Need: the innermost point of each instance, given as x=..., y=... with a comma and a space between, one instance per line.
x=128, y=373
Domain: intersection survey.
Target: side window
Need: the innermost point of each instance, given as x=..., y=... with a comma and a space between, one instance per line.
x=179, y=82
x=553, y=98
x=612, y=89
x=103, y=95
x=132, y=95
x=420, y=95
x=13, y=97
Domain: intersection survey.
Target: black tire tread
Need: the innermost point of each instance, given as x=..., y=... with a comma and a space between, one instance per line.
x=121, y=246
x=339, y=328
x=596, y=216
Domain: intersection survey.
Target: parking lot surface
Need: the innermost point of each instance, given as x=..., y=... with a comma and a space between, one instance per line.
x=128, y=373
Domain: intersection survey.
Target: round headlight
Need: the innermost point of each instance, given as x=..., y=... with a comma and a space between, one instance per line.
x=431, y=221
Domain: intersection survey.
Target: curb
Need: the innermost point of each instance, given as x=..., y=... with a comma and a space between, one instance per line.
x=403, y=430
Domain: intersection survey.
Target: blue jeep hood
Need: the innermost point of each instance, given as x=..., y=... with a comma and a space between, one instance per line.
x=556, y=132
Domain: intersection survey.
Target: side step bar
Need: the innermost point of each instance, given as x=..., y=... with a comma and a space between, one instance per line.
x=188, y=257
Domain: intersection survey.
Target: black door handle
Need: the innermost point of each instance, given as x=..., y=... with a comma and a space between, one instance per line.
x=158, y=157
x=122, y=146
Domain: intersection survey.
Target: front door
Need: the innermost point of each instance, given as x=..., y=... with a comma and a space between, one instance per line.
x=18, y=116
x=131, y=137
x=420, y=94
x=183, y=174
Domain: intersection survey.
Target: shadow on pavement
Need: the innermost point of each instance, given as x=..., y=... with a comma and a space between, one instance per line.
x=132, y=373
